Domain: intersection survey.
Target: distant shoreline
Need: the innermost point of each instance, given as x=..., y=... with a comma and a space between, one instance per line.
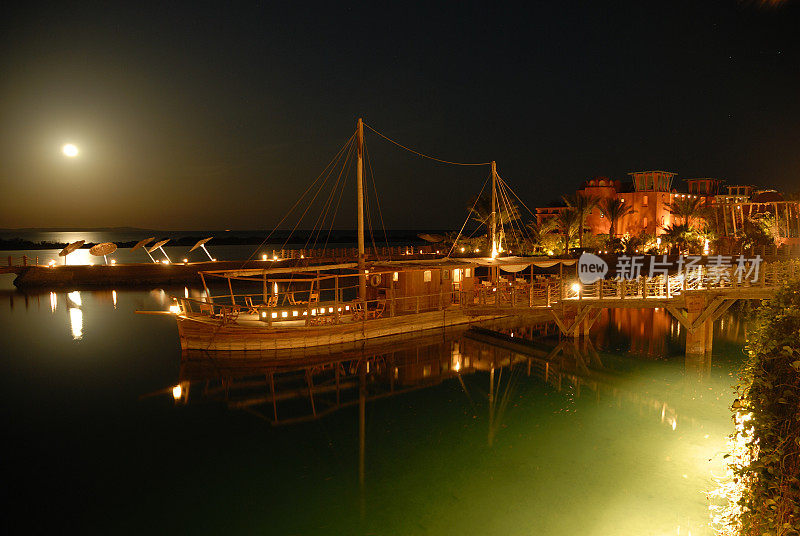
x=243, y=238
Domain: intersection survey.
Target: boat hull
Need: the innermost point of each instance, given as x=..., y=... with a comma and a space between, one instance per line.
x=203, y=334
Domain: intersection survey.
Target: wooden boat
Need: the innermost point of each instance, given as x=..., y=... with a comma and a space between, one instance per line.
x=292, y=311
x=307, y=305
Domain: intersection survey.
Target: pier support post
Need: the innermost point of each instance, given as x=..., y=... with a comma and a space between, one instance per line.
x=587, y=325
x=708, y=326
x=569, y=319
x=699, y=340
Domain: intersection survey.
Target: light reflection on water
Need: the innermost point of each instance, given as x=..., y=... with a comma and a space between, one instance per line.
x=615, y=435
x=76, y=322
x=657, y=429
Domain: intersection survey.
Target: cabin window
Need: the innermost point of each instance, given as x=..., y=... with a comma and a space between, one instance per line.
x=467, y=272
x=644, y=222
x=426, y=276
x=644, y=201
x=457, y=275
x=395, y=276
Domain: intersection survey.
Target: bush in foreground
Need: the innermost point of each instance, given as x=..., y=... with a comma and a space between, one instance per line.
x=762, y=490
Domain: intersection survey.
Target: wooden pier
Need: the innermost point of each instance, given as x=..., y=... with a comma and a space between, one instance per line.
x=696, y=298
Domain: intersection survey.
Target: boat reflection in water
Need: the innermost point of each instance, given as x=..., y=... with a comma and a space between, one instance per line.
x=287, y=388
x=538, y=417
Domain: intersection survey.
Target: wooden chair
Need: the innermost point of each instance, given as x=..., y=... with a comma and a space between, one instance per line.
x=230, y=313
x=272, y=301
x=378, y=311
x=251, y=308
x=358, y=310
x=207, y=309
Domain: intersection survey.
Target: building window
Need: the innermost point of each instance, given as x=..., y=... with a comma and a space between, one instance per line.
x=467, y=272
x=395, y=276
x=644, y=222
x=426, y=276
x=644, y=201
x=457, y=275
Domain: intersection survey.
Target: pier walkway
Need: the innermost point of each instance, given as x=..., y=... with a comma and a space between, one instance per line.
x=696, y=298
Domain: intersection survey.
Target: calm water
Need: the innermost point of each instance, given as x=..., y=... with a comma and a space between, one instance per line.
x=618, y=437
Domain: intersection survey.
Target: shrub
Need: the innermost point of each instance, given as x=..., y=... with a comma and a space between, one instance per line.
x=763, y=490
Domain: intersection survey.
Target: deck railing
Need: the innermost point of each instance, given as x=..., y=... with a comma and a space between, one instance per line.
x=326, y=306
x=228, y=308
x=22, y=260
x=545, y=292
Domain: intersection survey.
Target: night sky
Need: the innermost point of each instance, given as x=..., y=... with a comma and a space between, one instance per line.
x=213, y=116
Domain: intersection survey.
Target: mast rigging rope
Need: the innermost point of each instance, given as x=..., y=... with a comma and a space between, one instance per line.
x=423, y=155
x=334, y=159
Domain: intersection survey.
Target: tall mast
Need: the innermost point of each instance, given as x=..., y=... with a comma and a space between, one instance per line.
x=362, y=278
x=493, y=246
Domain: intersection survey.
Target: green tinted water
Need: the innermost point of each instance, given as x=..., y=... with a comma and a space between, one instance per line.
x=621, y=441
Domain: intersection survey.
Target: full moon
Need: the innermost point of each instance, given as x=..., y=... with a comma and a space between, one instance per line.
x=70, y=150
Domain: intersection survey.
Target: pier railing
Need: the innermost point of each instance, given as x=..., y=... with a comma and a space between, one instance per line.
x=326, y=305
x=352, y=253
x=21, y=260
x=549, y=290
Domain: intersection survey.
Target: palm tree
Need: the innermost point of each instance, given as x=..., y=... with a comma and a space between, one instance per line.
x=583, y=206
x=567, y=222
x=537, y=231
x=680, y=235
x=615, y=209
x=686, y=208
